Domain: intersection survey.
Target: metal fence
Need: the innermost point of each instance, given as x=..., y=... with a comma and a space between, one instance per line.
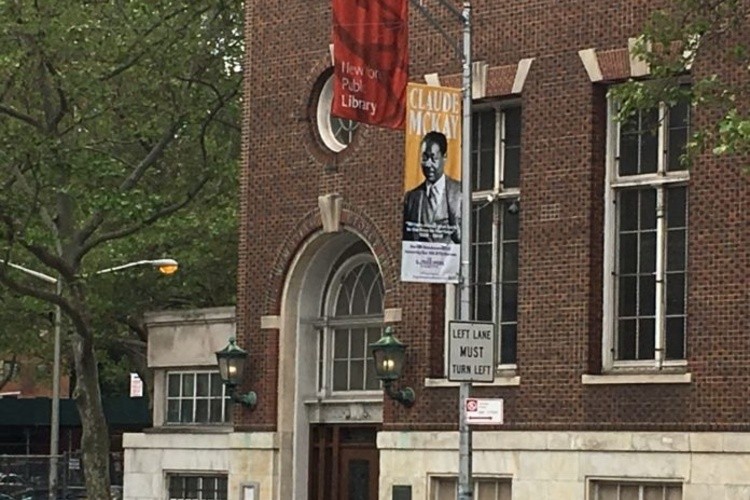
x=26, y=477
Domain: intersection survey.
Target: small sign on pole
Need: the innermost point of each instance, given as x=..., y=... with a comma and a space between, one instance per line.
x=471, y=351
x=484, y=411
x=136, y=386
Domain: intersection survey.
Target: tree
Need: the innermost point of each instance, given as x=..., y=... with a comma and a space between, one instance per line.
x=115, y=117
x=676, y=42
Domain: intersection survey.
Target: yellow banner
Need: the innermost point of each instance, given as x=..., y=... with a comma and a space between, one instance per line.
x=431, y=108
x=430, y=247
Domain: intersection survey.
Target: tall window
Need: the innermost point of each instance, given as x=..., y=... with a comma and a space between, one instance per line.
x=496, y=147
x=352, y=319
x=196, y=397
x=616, y=490
x=646, y=238
x=197, y=487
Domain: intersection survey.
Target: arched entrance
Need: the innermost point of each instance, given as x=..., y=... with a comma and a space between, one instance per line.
x=330, y=402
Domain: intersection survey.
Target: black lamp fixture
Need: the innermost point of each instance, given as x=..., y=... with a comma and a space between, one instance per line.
x=388, y=353
x=231, y=361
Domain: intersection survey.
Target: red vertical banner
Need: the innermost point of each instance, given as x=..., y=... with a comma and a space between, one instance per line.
x=371, y=56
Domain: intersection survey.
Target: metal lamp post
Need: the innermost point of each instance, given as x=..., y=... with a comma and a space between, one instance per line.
x=165, y=266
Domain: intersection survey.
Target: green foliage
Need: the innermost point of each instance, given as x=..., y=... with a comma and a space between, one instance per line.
x=119, y=142
x=674, y=39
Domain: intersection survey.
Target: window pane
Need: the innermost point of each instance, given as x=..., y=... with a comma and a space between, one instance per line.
x=628, y=207
x=202, y=385
x=340, y=381
x=511, y=167
x=626, y=339
x=648, y=208
x=484, y=264
x=215, y=410
x=628, y=163
x=510, y=221
x=675, y=338
x=216, y=385
x=679, y=118
x=341, y=344
x=675, y=293
x=173, y=410
x=188, y=384
x=510, y=262
x=356, y=375
x=483, y=224
x=629, y=492
x=627, y=292
x=358, y=343
x=606, y=492
x=510, y=302
x=646, y=295
x=508, y=344
x=673, y=493
x=628, y=253
x=676, y=207
x=648, y=252
x=483, y=171
x=174, y=384
x=201, y=410
x=676, y=255
x=483, y=303
x=646, y=337
x=186, y=410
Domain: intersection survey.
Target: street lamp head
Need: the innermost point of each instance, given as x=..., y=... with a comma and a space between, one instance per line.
x=388, y=354
x=166, y=266
x=231, y=361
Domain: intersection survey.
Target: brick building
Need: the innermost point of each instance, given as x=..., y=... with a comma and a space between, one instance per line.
x=618, y=278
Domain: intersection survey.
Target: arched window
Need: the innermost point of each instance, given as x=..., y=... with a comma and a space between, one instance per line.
x=352, y=319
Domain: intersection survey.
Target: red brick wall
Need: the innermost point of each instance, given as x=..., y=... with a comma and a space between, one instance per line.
x=563, y=152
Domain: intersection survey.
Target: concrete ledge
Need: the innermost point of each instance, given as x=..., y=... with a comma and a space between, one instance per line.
x=512, y=380
x=233, y=440
x=636, y=378
x=636, y=442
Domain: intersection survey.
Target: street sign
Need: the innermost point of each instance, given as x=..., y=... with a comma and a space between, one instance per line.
x=471, y=351
x=484, y=411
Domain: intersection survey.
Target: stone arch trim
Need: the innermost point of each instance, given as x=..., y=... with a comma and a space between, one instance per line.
x=613, y=64
x=309, y=226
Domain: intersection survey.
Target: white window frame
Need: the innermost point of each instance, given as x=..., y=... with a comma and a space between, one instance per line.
x=226, y=413
x=201, y=477
x=325, y=121
x=434, y=483
x=593, y=484
x=497, y=196
x=327, y=325
x=613, y=183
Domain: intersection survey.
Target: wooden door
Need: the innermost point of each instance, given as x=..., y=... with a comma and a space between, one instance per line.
x=344, y=463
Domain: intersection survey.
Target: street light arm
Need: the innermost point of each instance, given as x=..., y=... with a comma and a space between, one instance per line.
x=155, y=263
x=50, y=297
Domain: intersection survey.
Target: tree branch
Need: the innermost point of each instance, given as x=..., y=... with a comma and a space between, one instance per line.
x=159, y=214
x=20, y=116
x=152, y=156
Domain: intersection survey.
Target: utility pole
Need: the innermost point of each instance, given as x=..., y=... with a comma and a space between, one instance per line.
x=465, y=487
x=462, y=310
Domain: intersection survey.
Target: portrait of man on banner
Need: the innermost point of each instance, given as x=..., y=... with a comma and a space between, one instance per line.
x=432, y=210
x=431, y=233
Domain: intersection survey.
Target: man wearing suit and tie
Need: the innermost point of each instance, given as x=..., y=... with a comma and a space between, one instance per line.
x=432, y=210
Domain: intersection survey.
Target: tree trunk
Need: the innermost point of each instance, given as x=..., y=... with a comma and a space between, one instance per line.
x=95, y=435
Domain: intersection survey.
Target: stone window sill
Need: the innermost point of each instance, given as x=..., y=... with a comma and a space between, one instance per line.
x=636, y=378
